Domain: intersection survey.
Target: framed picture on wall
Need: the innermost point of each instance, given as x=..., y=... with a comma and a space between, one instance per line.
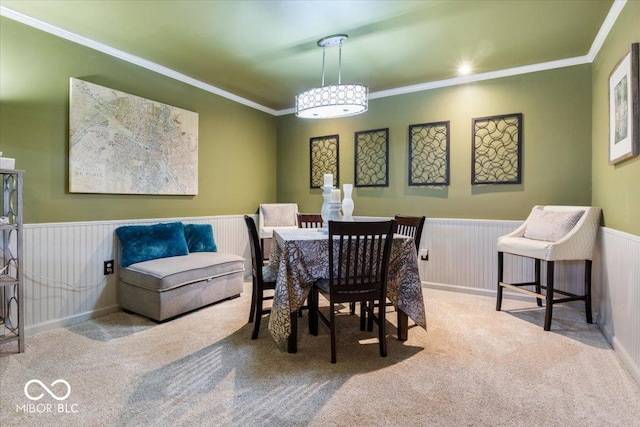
x=624, y=122
x=323, y=158
x=121, y=143
x=429, y=154
x=372, y=158
x=496, y=150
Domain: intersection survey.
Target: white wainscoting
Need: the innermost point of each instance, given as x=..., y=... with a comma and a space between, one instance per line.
x=64, y=281
x=463, y=256
x=65, y=285
x=617, y=279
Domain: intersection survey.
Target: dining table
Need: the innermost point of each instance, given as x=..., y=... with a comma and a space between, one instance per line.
x=300, y=256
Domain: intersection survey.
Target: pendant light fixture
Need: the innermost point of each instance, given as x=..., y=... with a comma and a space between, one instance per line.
x=332, y=101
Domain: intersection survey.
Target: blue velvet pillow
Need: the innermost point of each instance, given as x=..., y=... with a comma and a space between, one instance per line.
x=145, y=242
x=200, y=238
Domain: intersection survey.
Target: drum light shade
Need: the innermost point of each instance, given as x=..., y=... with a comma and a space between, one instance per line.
x=332, y=101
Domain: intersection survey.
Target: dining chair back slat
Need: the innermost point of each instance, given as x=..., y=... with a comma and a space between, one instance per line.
x=410, y=226
x=309, y=220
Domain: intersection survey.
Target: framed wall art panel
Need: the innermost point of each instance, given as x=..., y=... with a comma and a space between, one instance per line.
x=372, y=158
x=496, y=156
x=124, y=144
x=429, y=154
x=624, y=106
x=323, y=158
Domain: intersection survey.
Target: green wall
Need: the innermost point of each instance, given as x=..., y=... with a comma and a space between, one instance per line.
x=616, y=189
x=556, y=106
x=237, y=144
x=242, y=150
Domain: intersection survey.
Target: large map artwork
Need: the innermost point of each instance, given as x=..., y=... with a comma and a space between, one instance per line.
x=125, y=144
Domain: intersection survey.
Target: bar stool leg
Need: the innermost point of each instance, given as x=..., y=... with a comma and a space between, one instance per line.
x=587, y=290
x=500, y=278
x=537, y=281
x=549, y=310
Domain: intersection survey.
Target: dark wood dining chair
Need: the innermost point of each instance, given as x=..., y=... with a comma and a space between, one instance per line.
x=309, y=220
x=410, y=226
x=262, y=277
x=407, y=226
x=358, y=262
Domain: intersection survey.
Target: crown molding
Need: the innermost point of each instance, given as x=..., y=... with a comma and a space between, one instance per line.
x=136, y=60
x=611, y=18
x=608, y=23
x=543, y=66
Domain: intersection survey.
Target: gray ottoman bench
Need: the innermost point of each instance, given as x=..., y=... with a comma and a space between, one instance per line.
x=177, y=269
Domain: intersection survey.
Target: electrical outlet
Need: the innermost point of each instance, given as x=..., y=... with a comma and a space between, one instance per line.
x=424, y=254
x=108, y=267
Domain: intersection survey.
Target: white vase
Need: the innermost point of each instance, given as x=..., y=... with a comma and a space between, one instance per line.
x=347, y=202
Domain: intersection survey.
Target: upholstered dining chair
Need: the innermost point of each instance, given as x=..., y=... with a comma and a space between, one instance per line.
x=272, y=216
x=550, y=234
x=358, y=258
x=309, y=220
x=262, y=277
x=410, y=226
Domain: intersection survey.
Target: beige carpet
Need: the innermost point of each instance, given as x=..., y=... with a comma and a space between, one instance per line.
x=473, y=367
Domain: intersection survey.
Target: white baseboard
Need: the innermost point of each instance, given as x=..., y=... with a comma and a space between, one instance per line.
x=70, y=320
x=627, y=360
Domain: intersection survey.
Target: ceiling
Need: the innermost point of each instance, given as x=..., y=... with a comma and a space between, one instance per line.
x=266, y=51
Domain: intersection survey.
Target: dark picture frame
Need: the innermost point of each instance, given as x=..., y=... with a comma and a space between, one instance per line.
x=371, y=158
x=324, y=156
x=624, y=121
x=429, y=154
x=496, y=149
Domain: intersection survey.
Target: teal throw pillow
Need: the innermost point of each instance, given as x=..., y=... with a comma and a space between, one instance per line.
x=146, y=242
x=200, y=238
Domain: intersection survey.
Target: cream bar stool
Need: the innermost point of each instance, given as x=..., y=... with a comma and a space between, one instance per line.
x=552, y=233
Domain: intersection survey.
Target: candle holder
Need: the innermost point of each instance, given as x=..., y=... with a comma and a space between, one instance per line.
x=330, y=208
x=334, y=211
x=324, y=212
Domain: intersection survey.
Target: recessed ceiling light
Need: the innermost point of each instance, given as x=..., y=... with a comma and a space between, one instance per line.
x=464, y=69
